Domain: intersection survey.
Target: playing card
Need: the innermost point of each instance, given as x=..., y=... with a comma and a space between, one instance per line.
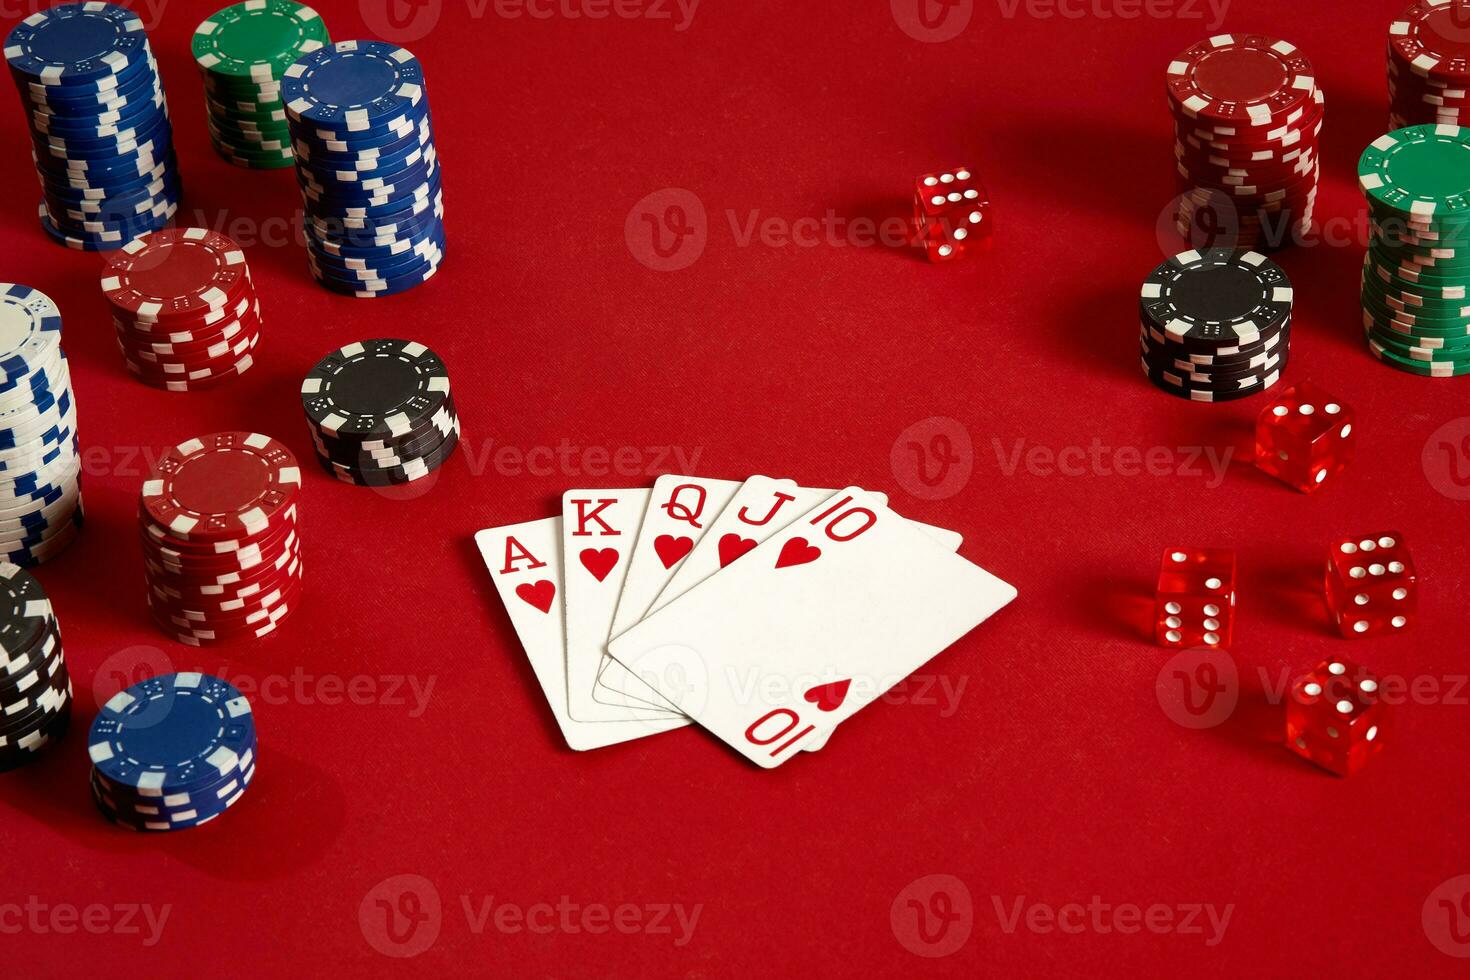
x=680, y=510
x=598, y=530
x=759, y=508
x=811, y=626
x=525, y=563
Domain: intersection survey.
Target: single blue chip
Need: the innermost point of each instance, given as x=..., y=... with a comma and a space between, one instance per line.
x=352, y=85
x=172, y=733
x=76, y=43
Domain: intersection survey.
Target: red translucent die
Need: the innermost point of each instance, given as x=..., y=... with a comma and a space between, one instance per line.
x=1304, y=436
x=1370, y=584
x=1195, y=602
x=1334, y=717
x=951, y=214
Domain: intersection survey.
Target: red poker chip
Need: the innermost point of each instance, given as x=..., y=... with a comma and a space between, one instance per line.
x=210, y=597
x=1304, y=117
x=236, y=580
x=184, y=340
x=1240, y=78
x=189, y=328
x=252, y=612
x=223, y=485
x=1431, y=39
x=202, y=363
x=174, y=272
x=192, y=384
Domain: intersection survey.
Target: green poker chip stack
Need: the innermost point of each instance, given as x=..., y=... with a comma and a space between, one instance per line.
x=242, y=52
x=1416, y=275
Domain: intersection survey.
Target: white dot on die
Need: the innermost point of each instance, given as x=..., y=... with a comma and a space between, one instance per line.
x=1212, y=637
x=1321, y=475
x=1361, y=598
x=976, y=217
x=937, y=199
x=1173, y=622
x=1368, y=686
x=1212, y=624
x=962, y=174
x=947, y=178
x=1400, y=593
x=1357, y=571
x=1336, y=669
x=1397, y=567
x=971, y=194
x=946, y=249
x=1345, y=431
x=1172, y=636
x=930, y=181
x=1313, y=689
x=1348, y=548
x=1399, y=622
x=1213, y=583
x=1361, y=626
x=1368, y=545
x=1172, y=608
x=1212, y=610
x=1279, y=410
x=1307, y=409
x=1332, y=408
x=1386, y=542
x=1344, y=707
x=960, y=234
x=1178, y=556
x=1331, y=732
x=1377, y=569
x=953, y=197
x=1371, y=734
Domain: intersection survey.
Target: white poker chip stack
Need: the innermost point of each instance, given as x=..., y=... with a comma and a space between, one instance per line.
x=40, y=467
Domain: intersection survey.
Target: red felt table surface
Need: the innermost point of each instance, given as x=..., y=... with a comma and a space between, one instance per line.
x=1035, y=764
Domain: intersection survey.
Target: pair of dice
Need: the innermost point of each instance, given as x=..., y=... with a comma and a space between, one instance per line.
x=1370, y=590
x=1333, y=717
x=951, y=214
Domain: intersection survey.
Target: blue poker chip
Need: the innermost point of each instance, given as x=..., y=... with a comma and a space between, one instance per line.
x=314, y=153
x=432, y=253
x=318, y=142
x=102, y=125
x=176, y=811
x=378, y=288
x=102, y=241
x=352, y=85
x=376, y=255
x=340, y=237
x=172, y=733
x=76, y=43
x=103, y=180
x=377, y=191
x=158, y=131
x=336, y=173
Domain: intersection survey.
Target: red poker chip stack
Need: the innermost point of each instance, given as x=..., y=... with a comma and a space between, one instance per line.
x=218, y=526
x=1247, y=112
x=1429, y=64
x=184, y=308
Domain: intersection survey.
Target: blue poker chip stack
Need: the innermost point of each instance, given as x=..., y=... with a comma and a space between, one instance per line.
x=367, y=167
x=40, y=468
x=35, y=688
x=100, y=132
x=172, y=752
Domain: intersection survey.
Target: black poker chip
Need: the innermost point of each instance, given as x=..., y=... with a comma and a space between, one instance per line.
x=35, y=687
x=380, y=412
x=1215, y=324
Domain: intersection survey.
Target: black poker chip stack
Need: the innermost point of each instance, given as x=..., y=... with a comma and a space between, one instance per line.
x=380, y=412
x=1215, y=325
x=35, y=689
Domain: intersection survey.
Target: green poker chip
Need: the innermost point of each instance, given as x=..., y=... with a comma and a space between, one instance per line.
x=1419, y=172
x=257, y=40
x=1430, y=369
